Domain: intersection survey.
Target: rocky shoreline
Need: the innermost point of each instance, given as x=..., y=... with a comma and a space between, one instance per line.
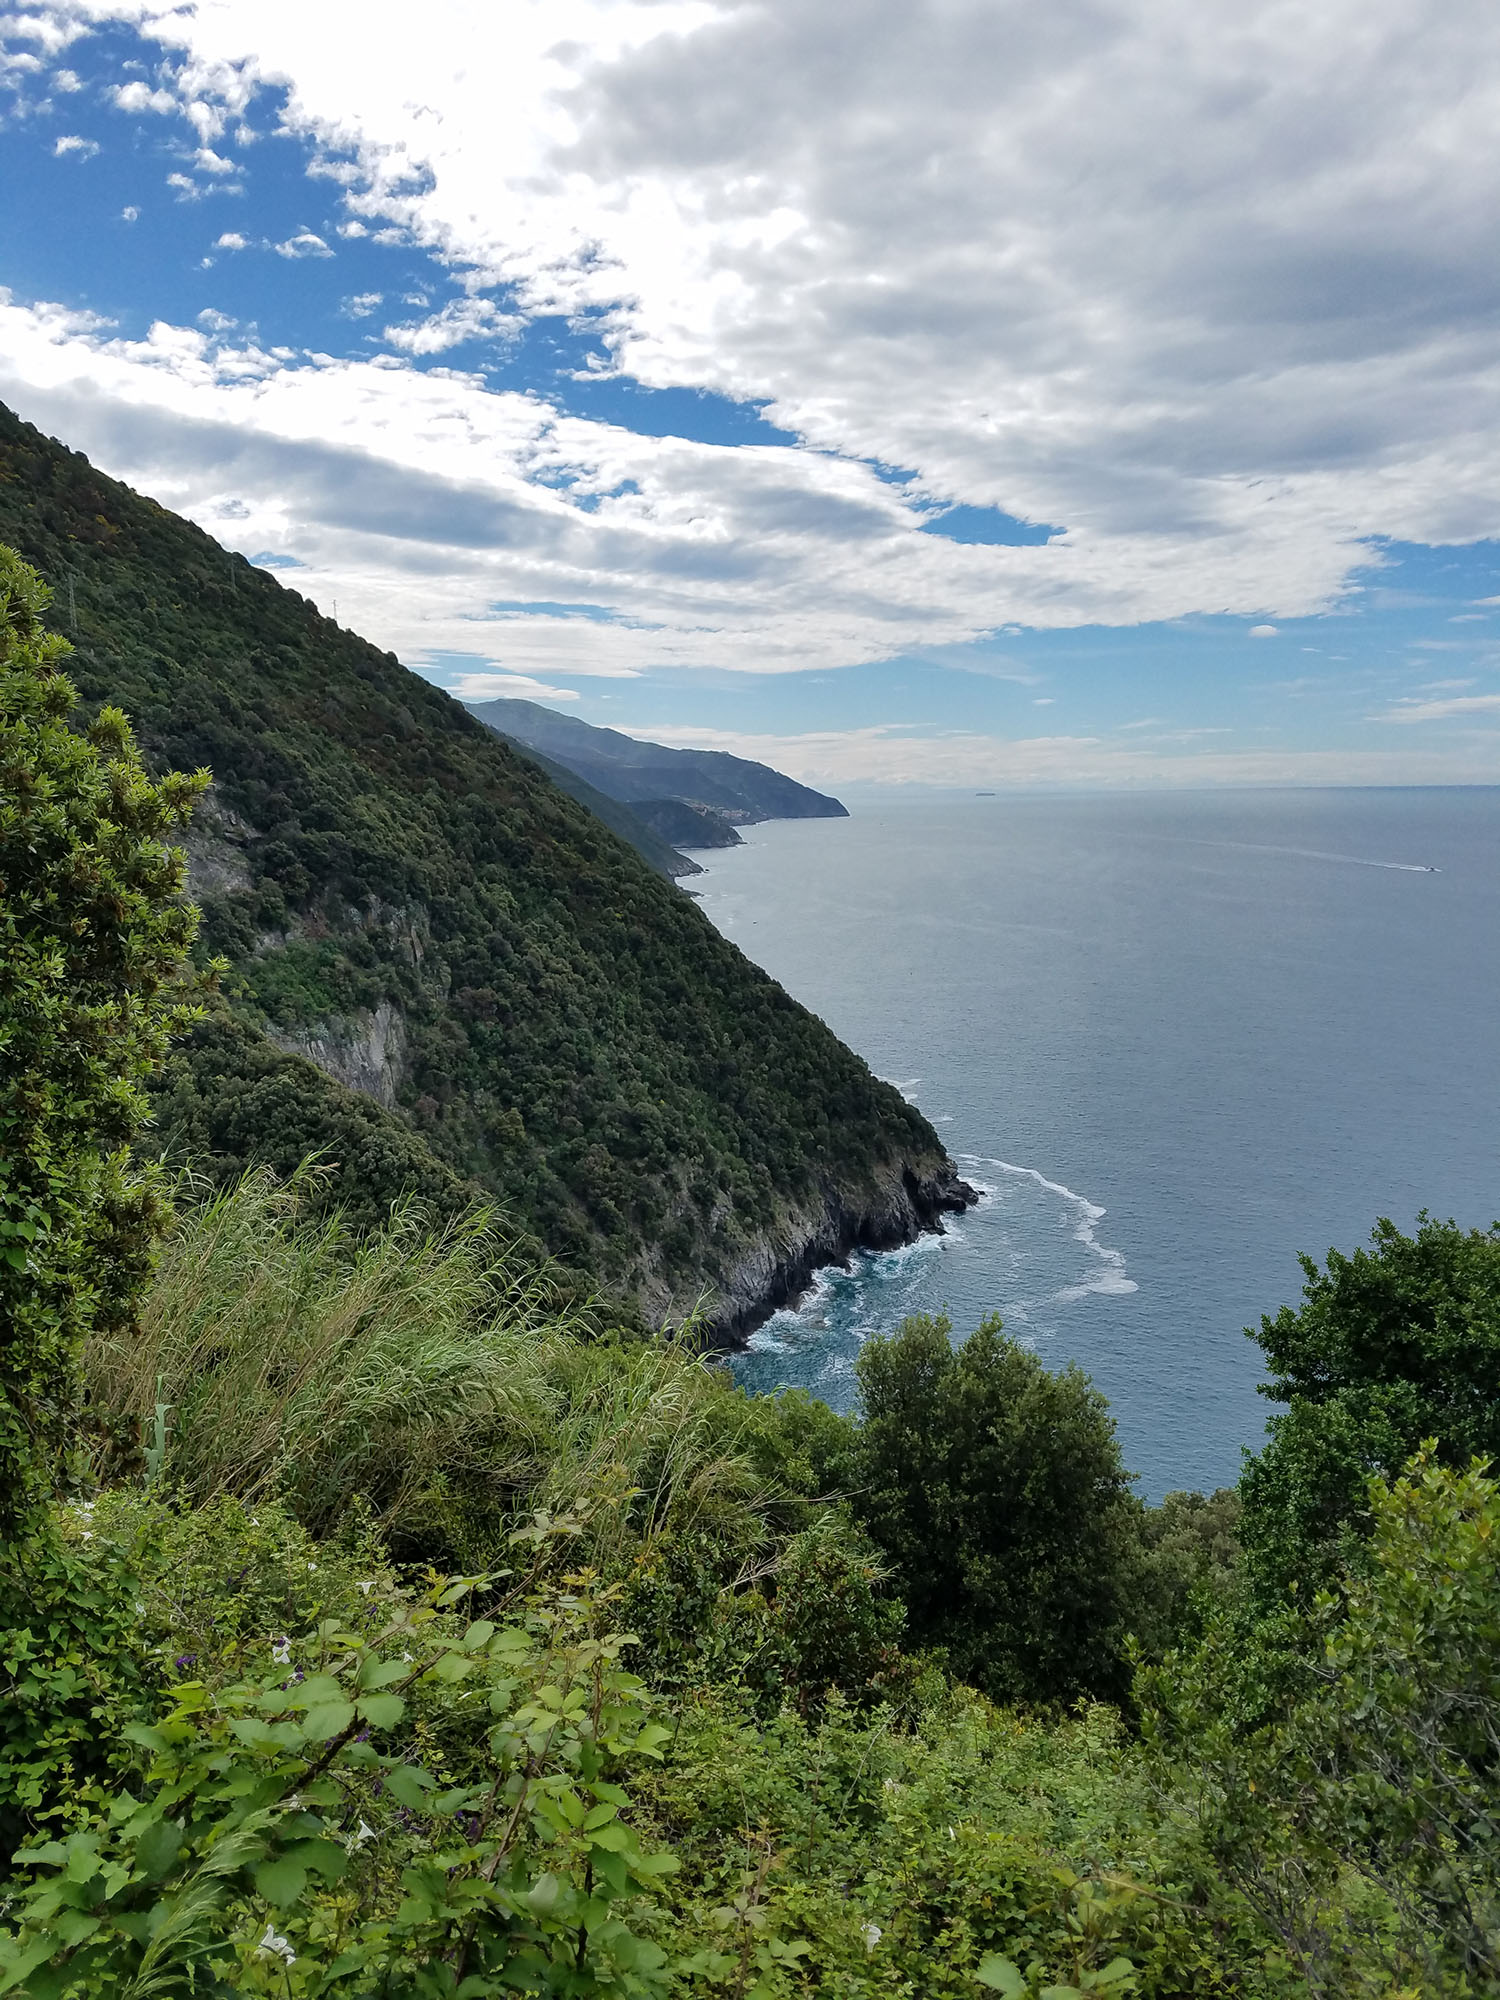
x=779, y=1272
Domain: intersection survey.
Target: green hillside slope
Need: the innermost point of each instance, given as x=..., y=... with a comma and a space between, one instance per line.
x=407, y=901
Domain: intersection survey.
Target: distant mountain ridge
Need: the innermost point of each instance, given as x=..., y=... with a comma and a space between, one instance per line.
x=651, y=841
x=627, y=768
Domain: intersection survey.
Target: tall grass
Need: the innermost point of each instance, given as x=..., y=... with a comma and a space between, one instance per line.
x=430, y=1372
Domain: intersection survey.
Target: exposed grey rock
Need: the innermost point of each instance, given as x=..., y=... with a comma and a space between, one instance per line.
x=366, y=1051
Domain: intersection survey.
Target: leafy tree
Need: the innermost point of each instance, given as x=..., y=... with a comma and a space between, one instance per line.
x=93, y=936
x=1192, y=1561
x=1390, y=1346
x=996, y=1490
x=1362, y=1820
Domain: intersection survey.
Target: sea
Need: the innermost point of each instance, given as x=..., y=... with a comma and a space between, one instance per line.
x=1173, y=1040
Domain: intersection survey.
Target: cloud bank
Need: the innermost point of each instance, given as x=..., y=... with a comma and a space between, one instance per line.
x=1213, y=291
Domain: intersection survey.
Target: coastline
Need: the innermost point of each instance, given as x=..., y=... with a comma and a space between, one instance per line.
x=780, y=1272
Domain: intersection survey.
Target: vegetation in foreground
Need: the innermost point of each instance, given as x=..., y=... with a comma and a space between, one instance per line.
x=378, y=1619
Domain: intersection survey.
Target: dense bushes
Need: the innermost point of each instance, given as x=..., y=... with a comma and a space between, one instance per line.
x=693, y=1721
x=996, y=1490
x=91, y=938
x=1389, y=1346
x=806, y=1801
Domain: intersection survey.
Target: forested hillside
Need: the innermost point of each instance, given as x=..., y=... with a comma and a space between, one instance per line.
x=404, y=898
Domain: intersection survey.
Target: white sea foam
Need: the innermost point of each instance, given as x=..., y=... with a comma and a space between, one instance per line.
x=1109, y=1278
x=906, y=1085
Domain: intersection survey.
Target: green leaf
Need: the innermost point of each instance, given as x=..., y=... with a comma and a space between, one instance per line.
x=1119, y=1974
x=323, y=1857
x=1001, y=1975
x=408, y=1785
x=380, y=1673
x=318, y=1691
x=281, y=1881
x=543, y=1893
x=324, y=1723
x=381, y=1711
x=14, y=1970
x=157, y=1849
x=610, y=1869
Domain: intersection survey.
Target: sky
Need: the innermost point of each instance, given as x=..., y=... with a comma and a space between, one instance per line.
x=940, y=392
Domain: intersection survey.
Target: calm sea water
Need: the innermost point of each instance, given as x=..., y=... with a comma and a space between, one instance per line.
x=1175, y=1040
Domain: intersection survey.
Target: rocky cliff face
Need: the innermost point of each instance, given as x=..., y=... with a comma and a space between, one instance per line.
x=366, y=1051
x=779, y=1270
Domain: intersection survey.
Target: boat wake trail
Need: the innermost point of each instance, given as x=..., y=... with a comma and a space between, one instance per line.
x=1317, y=854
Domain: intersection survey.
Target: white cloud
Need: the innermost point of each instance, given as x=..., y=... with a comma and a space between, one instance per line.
x=934, y=234
x=1263, y=631
x=67, y=82
x=231, y=240
x=362, y=304
x=1442, y=711
x=137, y=97
x=463, y=319
x=70, y=142
x=131, y=214
x=304, y=244
x=1210, y=289
x=490, y=687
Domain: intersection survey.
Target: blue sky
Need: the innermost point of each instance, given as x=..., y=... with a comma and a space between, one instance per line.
x=924, y=394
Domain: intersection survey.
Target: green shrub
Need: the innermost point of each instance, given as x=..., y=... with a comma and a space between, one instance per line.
x=93, y=937
x=1361, y=1819
x=426, y=1807
x=996, y=1492
x=1390, y=1346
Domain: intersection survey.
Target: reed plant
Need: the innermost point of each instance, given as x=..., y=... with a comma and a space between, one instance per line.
x=427, y=1372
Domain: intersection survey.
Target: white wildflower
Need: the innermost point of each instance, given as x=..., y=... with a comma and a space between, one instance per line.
x=281, y=1652
x=274, y=1946
x=364, y=1589
x=871, y=1935
x=356, y=1840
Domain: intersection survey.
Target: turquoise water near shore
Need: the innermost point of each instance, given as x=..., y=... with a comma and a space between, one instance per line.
x=1174, y=1040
